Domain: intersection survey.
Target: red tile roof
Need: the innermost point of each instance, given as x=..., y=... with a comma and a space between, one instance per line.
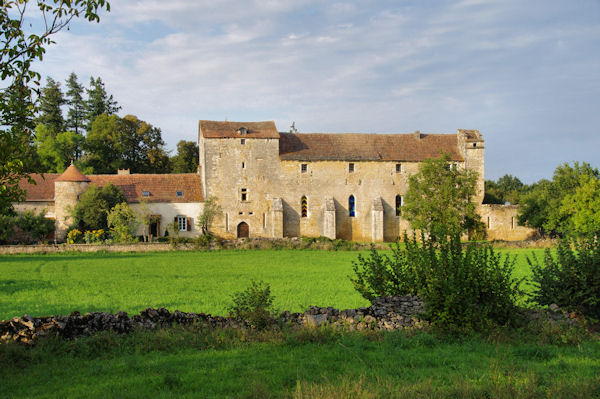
x=43, y=190
x=367, y=147
x=73, y=174
x=254, y=130
x=162, y=188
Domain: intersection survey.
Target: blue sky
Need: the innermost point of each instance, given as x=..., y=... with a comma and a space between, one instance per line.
x=525, y=73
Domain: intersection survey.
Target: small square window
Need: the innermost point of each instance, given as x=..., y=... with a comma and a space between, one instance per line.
x=145, y=193
x=350, y=167
x=303, y=168
x=179, y=193
x=243, y=141
x=398, y=167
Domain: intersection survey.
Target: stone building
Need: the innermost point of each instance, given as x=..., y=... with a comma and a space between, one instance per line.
x=274, y=184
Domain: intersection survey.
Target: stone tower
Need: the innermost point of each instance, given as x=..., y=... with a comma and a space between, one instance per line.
x=470, y=146
x=67, y=189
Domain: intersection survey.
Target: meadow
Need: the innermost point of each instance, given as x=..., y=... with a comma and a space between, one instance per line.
x=200, y=281
x=282, y=363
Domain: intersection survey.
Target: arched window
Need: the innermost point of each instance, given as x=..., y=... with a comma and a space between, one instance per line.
x=304, y=206
x=351, y=206
x=398, y=205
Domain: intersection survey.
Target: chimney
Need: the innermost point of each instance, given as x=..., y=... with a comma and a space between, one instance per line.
x=123, y=172
x=417, y=134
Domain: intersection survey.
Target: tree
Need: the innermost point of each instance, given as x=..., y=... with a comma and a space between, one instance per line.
x=186, y=160
x=75, y=114
x=508, y=189
x=211, y=210
x=18, y=51
x=115, y=143
x=56, y=151
x=51, y=101
x=543, y=206
x=581, y=208
x=94, y=204
x=122, y=222
x=35, y=227
x=438, y=200
x=98, y=102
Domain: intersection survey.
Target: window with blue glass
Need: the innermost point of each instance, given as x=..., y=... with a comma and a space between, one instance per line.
x=352, y=206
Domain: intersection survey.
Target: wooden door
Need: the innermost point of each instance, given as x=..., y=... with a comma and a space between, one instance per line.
x=243, y=230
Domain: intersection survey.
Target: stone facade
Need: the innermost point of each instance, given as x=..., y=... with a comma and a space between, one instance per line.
x=273, y=184
x=283, y=184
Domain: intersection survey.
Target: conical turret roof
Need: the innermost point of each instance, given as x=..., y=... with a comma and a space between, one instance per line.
x=73, y=174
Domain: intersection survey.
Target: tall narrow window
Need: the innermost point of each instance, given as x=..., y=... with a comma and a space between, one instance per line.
x=350, y=167
x=351, y=206
x=398, y=205
x=398, y=167
x=512, y=222
x=244, y=194
x=226, y=222
x=304, y=206
x=303, y=167
x=264, y=220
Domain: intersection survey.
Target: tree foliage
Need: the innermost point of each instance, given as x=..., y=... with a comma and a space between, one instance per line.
x=561, y=206
x=18, y=51
x=116, y=143
x=186, y=160
x=56, y=150
x=99, y=102
x=74, y=98
x=91, y=211
x=508, y=188
x=211, y=210
x=122, y=222
x=438, y=200
x=50, y=112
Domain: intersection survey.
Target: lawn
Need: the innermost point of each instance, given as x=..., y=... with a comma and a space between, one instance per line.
x=188, y=281
x=308, y=364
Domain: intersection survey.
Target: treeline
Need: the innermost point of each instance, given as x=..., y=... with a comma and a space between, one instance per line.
x=90, y=134
x=569, y=204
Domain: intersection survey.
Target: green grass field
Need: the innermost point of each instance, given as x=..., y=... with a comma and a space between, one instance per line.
x=309, y=363
x=187, y=281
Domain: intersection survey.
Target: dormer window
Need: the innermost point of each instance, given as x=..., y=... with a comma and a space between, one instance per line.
x=145, y=193
x=243, y=131
x=179, y=194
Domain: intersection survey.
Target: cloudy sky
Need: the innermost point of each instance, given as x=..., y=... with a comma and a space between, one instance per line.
x=525, y=73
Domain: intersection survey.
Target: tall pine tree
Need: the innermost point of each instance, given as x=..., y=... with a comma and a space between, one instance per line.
x=76, y=112
x=51, y=99
x=99, y=102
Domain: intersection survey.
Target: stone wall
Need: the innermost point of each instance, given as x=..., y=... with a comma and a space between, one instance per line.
x=501, y=223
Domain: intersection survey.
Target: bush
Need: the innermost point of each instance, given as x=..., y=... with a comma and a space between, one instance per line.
x=255, y=305
x=34, y=226
x=123, y=223
x=463, y=288
x=7, y=227
x=571, y=279
x=94, y=204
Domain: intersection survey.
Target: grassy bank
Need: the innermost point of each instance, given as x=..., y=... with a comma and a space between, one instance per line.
x=303, y=364
x=188, y=281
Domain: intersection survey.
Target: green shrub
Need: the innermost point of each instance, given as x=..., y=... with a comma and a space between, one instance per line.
x=35, y=226
x=255, y=305
x=123, y=223
x=571, y=279
x=7, y=227
x=463, y=288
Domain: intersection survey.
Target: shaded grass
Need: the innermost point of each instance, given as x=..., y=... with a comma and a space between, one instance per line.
x=302, y=364
x=188, y=281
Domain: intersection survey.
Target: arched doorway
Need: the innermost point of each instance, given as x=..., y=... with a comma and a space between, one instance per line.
x=243, y=230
